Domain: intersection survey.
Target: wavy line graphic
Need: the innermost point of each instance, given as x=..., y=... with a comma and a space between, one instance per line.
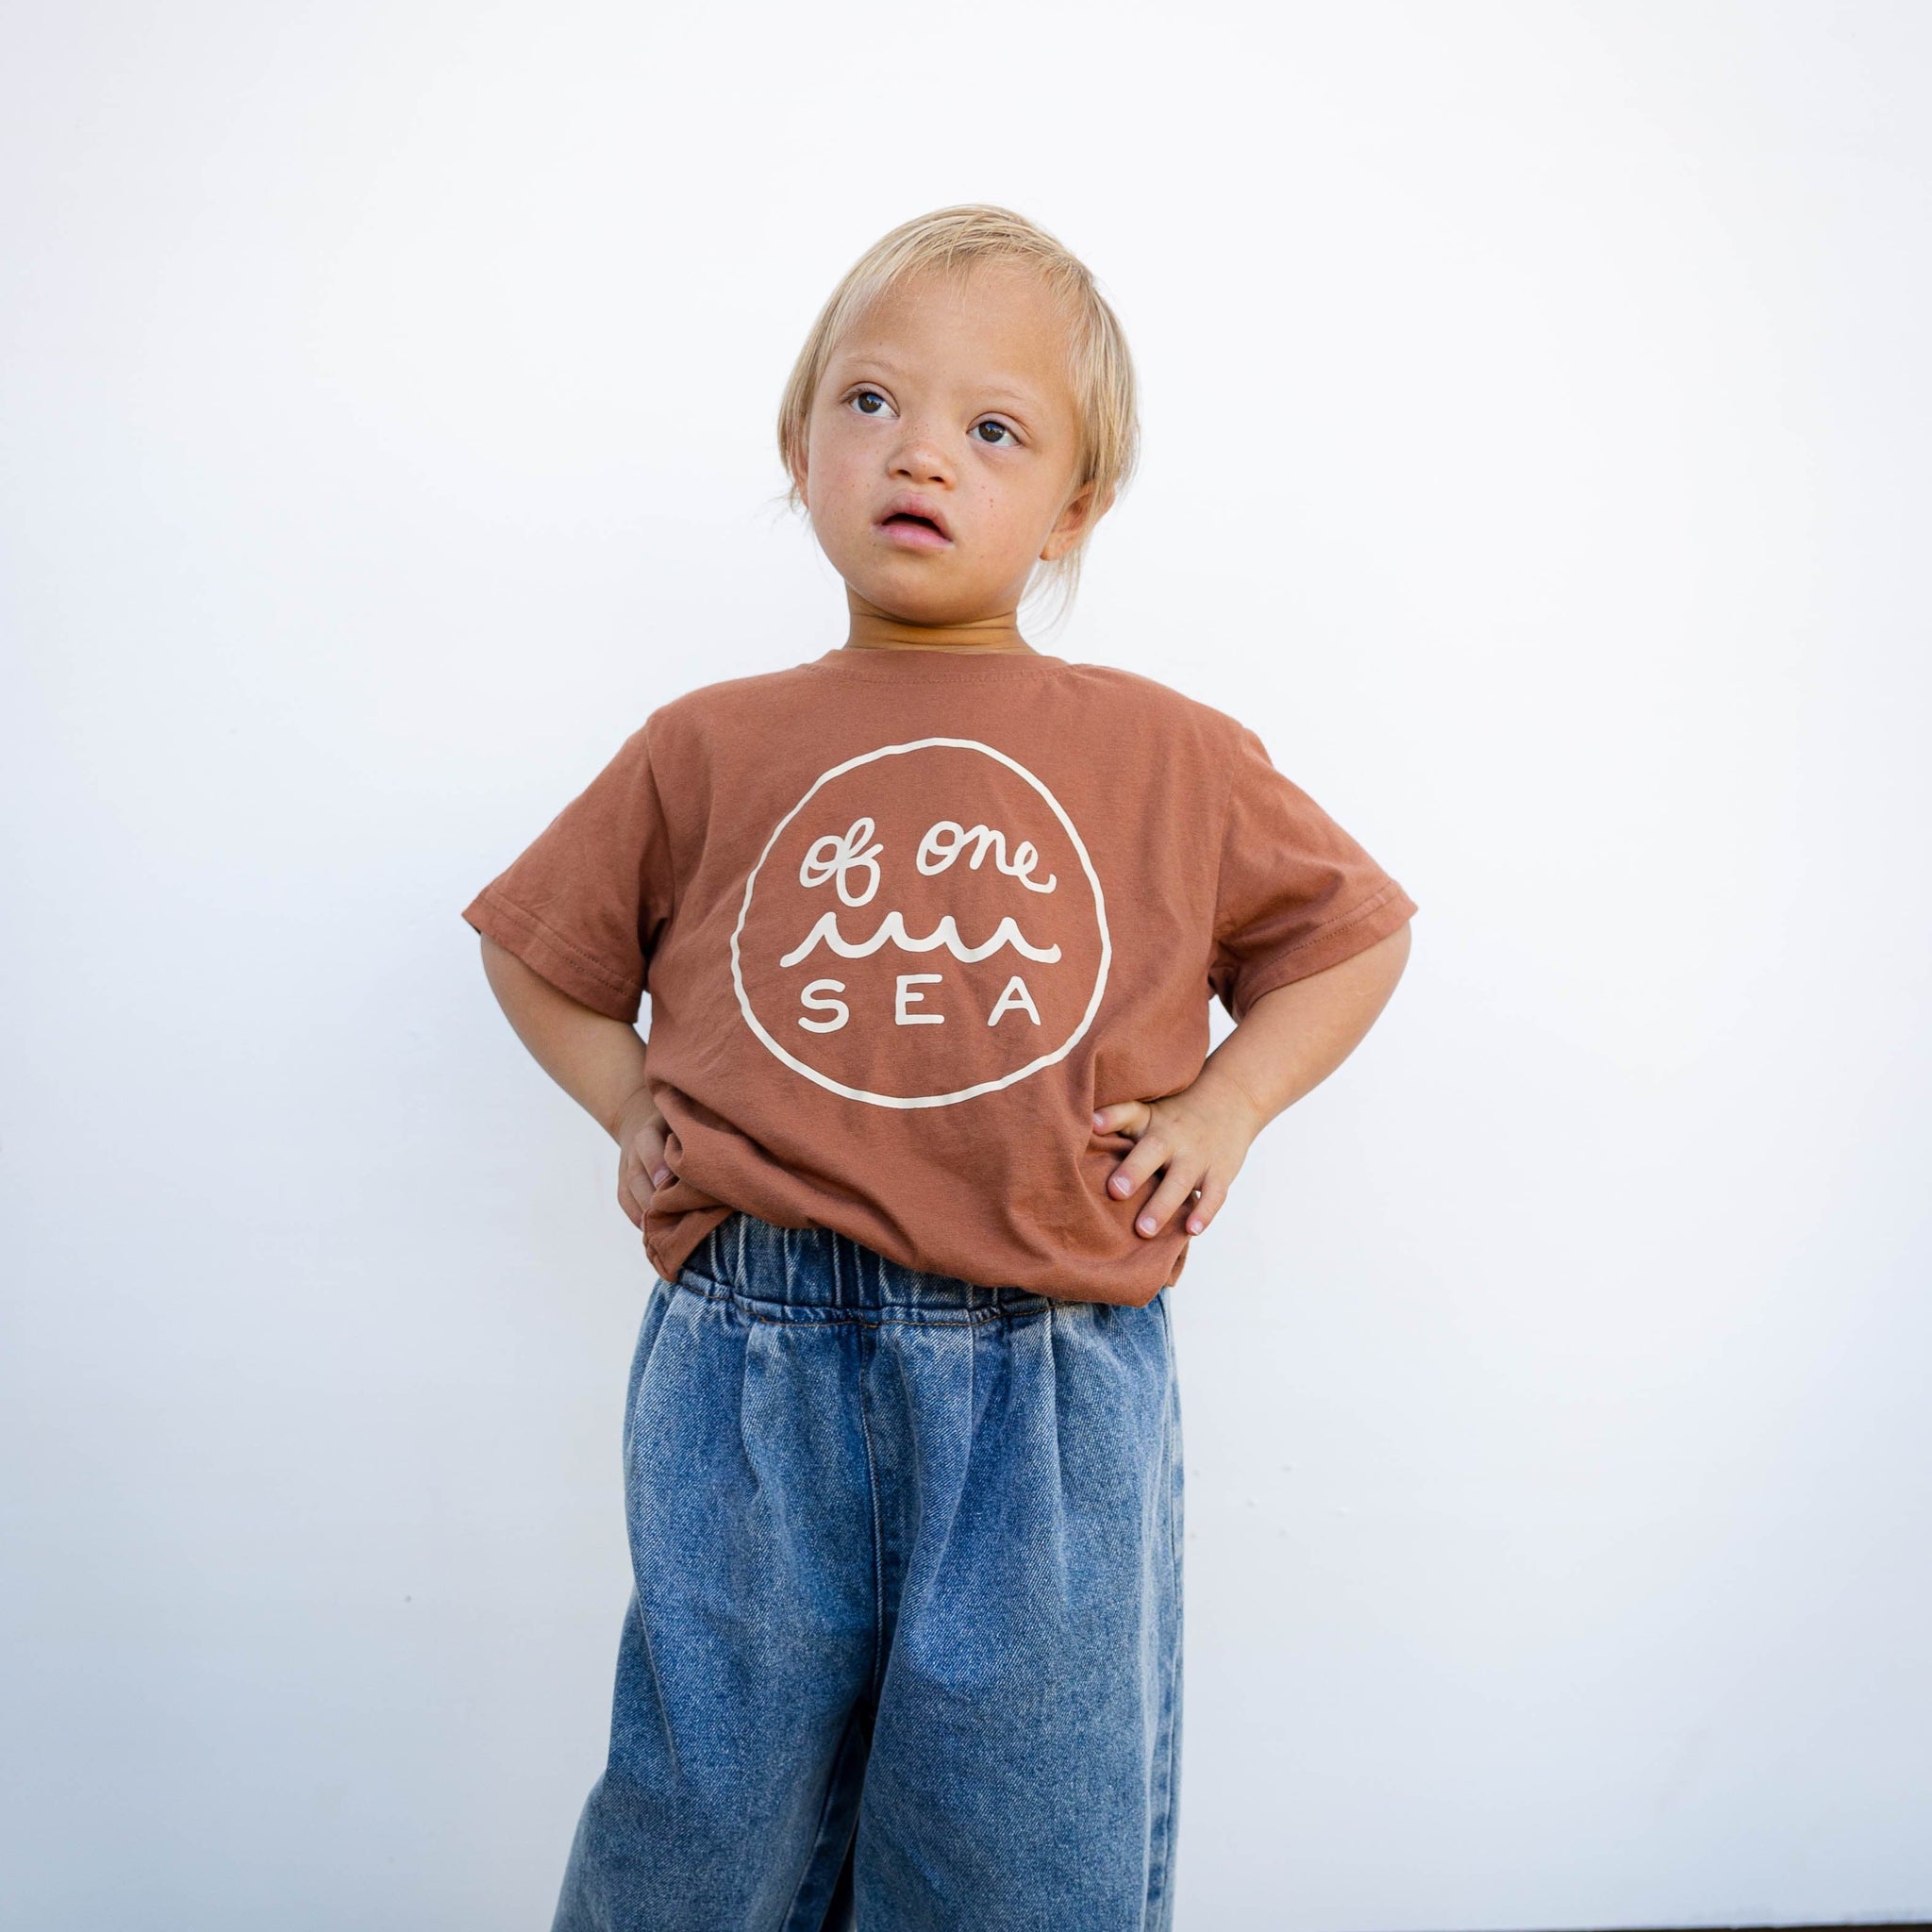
x=892, y=928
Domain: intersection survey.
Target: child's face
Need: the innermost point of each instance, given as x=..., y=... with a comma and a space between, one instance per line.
x=949, y=399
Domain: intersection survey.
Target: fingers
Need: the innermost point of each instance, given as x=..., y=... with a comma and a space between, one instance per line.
x=1161, y=1150
x=1173, y=1193
x=641, y=1169
x=1148, y=1155
x=648, y=1149
x=1213, y=1195
x=627, y=1196
x=1129, y=1117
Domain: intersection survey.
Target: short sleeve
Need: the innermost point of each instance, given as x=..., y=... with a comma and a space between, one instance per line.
x=585, y=902
x=1295, y=894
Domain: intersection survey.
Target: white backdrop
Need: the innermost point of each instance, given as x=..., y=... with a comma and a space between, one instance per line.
x=1535, y=429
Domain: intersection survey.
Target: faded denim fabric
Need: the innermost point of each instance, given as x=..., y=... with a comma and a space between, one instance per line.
x=904, y=1649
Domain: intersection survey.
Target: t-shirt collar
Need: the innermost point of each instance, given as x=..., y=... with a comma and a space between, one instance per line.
x=926, y=663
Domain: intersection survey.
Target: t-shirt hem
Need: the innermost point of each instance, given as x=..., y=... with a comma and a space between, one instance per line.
x=550, y=956
x=668, y=1252
x=670, y=1239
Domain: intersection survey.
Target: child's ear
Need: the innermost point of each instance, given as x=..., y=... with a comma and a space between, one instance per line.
x=1084, y=509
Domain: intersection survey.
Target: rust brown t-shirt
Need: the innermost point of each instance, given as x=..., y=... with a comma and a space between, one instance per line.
x=905, y=919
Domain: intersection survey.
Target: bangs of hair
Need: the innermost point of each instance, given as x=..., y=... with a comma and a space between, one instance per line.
x=952, y=240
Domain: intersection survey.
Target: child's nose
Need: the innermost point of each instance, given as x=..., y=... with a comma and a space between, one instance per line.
x=921, y=460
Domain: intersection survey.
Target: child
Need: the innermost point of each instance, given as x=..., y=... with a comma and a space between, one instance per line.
x=926, y=1124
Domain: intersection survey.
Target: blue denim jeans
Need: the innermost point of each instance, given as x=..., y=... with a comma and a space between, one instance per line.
x=904, y=1649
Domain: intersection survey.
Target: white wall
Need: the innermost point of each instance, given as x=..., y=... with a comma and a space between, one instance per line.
x=1536, y=417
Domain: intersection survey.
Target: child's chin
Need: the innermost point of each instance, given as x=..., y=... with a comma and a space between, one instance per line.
x=910, y=580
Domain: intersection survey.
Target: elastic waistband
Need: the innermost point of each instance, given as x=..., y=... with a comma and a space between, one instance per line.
x=818, y=1274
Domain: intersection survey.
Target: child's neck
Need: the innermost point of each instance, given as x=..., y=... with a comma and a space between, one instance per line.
x=872, y=629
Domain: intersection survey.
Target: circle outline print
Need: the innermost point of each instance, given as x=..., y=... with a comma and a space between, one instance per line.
x=1033, y=1066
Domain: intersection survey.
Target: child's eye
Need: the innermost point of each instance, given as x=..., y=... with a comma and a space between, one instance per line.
x=869, y=402
x=998, y=430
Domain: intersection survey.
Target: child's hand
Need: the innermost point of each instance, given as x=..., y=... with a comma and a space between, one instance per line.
x=1200, y=1135
x=641, y=1166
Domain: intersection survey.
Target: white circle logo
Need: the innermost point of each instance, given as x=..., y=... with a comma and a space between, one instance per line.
x=923, y=927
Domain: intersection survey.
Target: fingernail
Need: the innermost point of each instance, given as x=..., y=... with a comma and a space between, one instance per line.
x=660, y=1176
x=1193, y=1223
x=1145, y=1224
x=1099, y=1121
x=1118, y=1184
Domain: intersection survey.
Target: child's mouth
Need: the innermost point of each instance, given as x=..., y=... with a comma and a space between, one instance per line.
x=913, y=532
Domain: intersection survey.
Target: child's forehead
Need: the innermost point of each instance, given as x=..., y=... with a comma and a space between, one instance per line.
x=992, y=322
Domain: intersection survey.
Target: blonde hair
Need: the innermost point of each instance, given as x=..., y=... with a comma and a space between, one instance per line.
x=954, y=240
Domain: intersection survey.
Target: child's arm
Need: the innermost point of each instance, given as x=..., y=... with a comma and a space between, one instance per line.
x=598, y=1061
x=1290, y=1039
